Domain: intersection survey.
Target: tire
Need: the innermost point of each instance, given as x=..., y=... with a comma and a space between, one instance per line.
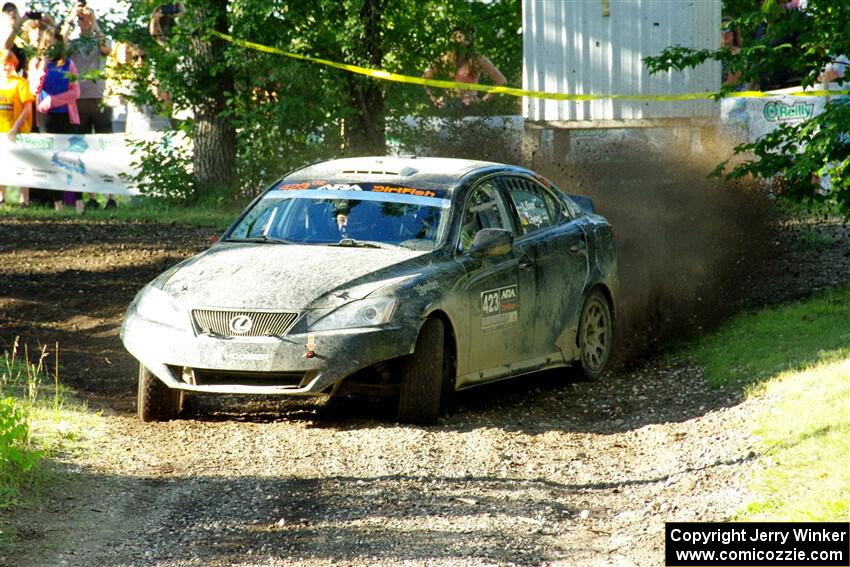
x=595, y=332
x=422, y=377
x=156, y=401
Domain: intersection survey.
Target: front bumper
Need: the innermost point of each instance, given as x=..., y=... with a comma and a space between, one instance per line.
x=243, y=365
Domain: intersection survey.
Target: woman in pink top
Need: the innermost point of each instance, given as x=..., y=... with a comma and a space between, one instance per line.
x=464, y=65
x=53, y=76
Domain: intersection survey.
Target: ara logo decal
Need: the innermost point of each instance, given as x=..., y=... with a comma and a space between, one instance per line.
x=339, y=187
x=241, y=324
x=499, y=307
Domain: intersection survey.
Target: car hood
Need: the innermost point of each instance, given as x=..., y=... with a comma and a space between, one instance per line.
x=291, y=277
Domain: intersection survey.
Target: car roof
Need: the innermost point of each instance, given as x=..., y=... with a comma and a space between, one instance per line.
x=394, y=169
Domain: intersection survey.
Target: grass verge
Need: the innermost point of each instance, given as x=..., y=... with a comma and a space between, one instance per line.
x=135, y=210
x=39, y=421
x=805, y=432
x=795, y=358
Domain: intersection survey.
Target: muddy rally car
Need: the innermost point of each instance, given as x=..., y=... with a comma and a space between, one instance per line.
x=403, y=277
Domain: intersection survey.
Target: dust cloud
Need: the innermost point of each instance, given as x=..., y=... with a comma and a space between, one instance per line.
x=687, y=244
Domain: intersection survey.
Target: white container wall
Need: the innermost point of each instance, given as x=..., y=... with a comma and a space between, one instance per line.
x=597, y=47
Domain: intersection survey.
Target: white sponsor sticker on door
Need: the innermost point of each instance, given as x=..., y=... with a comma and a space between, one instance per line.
x=499, y=306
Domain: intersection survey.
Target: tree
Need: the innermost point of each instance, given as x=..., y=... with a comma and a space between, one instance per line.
x=401, y=36
x=310, y=111
x=784, y=39
x=185, y=65
x=364, y=131
x=192, y=70
x=278, y=113
x=213, y=132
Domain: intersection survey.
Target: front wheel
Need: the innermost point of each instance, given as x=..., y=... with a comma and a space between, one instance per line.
x=594, y=334
x=156, y=401
x=422, y=377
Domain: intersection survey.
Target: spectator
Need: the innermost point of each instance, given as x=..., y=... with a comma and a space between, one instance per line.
x=126, y=67
x=15, y=109
x=776, y=13
x=464, y=65
x=56, y=94
x=88, y=52
x=730, y=39
x=834, y=72
x=33, y=27
x=162, y=23
x=10, y=25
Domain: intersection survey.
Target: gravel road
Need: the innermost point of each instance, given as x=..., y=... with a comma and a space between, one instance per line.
x=544, y=470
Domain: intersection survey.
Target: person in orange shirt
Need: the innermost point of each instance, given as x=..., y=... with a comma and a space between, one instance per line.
x=15, y=109
x=463, y=64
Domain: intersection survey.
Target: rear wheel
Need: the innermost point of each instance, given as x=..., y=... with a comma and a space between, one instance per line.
x=156, y=401
x=594, y=334
x=422, y=377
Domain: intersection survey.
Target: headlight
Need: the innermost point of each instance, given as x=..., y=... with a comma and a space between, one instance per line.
x=363, y=313
x=155, y=305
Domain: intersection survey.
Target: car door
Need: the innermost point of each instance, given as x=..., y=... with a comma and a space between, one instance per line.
x=557, y=246
x=499, y=292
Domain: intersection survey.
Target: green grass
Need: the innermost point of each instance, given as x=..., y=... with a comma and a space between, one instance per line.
x=756, y=346
x=137, y=209
x=796, y=360
x=38, y=421
x=805, y=437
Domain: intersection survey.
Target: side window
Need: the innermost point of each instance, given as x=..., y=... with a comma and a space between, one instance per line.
x=574, y=209
x=483, y=209
x=535, y=207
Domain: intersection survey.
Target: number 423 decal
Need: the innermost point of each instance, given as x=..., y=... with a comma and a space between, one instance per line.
x=499, y=306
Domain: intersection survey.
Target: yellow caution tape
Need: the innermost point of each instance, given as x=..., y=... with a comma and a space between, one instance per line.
x=395, y=77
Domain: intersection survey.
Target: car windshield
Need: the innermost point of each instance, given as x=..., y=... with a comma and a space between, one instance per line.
x=363, y=214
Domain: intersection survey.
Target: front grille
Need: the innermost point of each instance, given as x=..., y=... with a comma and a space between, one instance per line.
x=242, y=323
x=201, y=377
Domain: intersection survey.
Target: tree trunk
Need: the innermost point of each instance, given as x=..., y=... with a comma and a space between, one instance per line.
x=215, y=147
x=364, y=129
x=214, y=136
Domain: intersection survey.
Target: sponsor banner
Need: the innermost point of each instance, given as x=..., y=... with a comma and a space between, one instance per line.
x=754, y=118
x=365, y=191
x=322, y=185
x=91, y=163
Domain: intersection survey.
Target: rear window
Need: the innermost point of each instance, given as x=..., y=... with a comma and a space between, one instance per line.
x=535, y=207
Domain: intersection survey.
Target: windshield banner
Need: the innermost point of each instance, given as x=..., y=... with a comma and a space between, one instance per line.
x=91, y=163
x=365, y=191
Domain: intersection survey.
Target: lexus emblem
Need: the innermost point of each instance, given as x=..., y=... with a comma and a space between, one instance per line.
x=241, y=324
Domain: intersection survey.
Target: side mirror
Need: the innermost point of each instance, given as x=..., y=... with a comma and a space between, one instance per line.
x=490, y=242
